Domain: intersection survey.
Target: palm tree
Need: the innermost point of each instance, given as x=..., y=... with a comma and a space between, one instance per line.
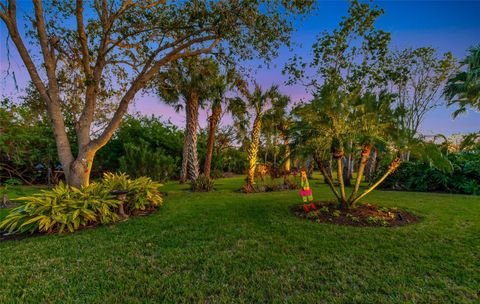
x=275, y=127
x=333, y=119
x=463, y=89
x=189, y=81
x=253, y=105
x=221, y=85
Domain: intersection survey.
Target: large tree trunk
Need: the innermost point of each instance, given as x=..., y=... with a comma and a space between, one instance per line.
x=253, y=151
x=193, y=167
x=213, y=121
x=79, y=170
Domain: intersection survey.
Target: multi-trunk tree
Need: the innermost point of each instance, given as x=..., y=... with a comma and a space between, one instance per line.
x=416, y=77
x=347, y=63
x=128, y=43
x=350, y=110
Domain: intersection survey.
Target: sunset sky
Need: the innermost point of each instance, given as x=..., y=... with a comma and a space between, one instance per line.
x=446, y=25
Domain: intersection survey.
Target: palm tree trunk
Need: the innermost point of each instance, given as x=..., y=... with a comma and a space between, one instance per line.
x=253, y=151
x=186, y=140
x=339, y=155
x=371, y=166
x=327, y=177
x=393, y=166
x=275, y=151
x=287, y=165
x=212, y=128
x=193, y=166
x=361, y=168
x=346, y=170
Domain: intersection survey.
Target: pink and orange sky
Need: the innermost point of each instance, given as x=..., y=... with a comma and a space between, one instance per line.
x=446, y=25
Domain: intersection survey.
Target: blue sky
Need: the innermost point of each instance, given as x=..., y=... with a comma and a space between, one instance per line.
x=446, y=25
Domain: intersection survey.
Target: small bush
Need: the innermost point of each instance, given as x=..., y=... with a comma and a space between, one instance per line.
x=202, y=184
x=142, y=194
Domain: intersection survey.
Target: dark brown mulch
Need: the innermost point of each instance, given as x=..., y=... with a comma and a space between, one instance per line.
x=365, y=215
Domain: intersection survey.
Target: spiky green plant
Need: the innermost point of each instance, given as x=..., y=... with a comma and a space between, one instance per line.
x=61, y=209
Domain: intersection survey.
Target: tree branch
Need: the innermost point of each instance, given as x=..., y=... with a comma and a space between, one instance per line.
x=142, y=79
x=82, y=37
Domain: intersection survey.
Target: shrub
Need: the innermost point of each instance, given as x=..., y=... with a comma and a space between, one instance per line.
x=419, y=176
x=66, y=208
x=202, y=184
x=141, y=160
x=12, y=182
x=62, y=208
x=142, y=194
x=143, y=146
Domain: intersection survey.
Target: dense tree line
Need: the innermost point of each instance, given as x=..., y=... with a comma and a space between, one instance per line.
x=361, y=124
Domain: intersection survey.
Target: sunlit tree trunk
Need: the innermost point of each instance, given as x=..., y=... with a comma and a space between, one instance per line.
x=213, y=121
x=253, y=151
x=361, y=168
x=184, y=169
x=338, y=156
x=328, y=177
x=275, y=150
x=193, y=166
x=393, y=166
x=287, y=163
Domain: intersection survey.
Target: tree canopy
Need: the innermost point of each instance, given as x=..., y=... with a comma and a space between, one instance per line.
x=124, y=44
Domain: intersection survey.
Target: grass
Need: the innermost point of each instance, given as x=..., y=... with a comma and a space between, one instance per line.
x=226, y=246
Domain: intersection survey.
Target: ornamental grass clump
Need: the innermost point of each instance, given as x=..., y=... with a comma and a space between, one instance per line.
x=202, y=184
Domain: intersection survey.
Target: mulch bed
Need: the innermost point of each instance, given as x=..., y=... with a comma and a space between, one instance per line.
x=365, y=215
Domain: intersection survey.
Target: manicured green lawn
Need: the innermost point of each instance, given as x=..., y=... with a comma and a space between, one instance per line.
x=226, y=246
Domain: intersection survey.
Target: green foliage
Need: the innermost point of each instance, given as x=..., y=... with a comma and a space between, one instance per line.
x=143, y=146
x=142, y=194
x=231, y=160
x=26, y=140
x=202, y=184
x=421, y=176
x=463, y=89
x=66, y=208
x=141, y=160
x=12, y=182
x=62, y=209
x=225, y=237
